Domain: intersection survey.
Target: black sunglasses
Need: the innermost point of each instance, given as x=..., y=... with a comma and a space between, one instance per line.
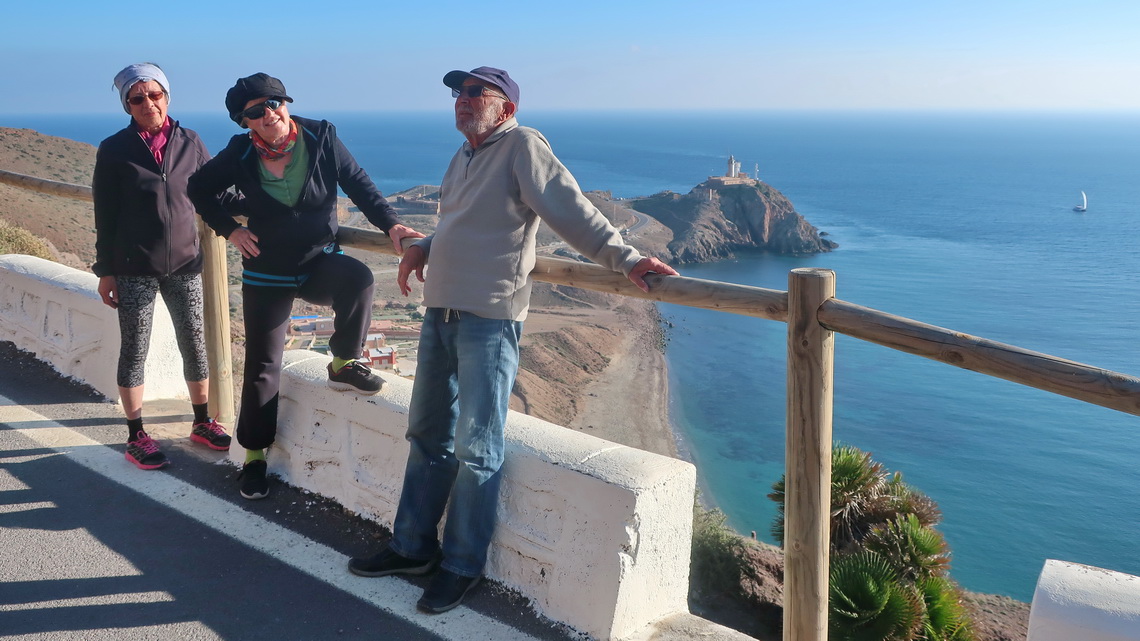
x=475, y=91
x=258, y=111
x=154, y=96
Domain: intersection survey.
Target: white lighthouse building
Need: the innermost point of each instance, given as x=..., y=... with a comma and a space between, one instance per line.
x=733, y=168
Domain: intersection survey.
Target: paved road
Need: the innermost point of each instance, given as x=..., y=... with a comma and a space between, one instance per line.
x=93, y=548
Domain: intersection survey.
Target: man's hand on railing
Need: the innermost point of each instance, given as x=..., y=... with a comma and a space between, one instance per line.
x=398, y=233
x=645, y=266
x=413, y=260
x=109, y=291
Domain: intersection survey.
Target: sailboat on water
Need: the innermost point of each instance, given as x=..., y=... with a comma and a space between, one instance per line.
x=1084, y=203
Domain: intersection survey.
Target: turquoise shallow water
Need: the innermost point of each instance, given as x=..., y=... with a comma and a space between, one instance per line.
x=961, y=221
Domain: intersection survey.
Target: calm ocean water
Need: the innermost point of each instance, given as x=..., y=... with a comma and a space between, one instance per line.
x=961, y=221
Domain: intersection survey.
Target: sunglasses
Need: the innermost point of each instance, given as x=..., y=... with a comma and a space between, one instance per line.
x=475, y=91
x=153, y=96
x=257, y=111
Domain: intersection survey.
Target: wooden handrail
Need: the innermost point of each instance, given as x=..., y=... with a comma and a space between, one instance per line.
x=736, y=299
x=1086, y=383
x=43, y=186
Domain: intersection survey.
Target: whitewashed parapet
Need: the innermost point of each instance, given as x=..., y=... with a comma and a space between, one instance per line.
x=596, y=534
x=55, y=312
x=1075, y=601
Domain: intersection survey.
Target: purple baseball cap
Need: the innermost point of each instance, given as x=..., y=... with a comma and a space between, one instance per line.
x=497, y=77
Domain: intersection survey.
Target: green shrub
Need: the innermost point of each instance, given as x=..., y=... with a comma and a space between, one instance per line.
x=946, y=618
x=913, y=549
x=888, y=564
x=716, y=554
x=868, y=602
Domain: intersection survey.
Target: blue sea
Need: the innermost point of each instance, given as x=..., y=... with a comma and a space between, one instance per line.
x=959, y=220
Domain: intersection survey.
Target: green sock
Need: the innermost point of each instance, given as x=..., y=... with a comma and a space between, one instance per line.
x=254, y=455
x=339, y=362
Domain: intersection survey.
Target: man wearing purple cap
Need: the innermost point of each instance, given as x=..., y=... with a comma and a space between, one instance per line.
x=500, y=184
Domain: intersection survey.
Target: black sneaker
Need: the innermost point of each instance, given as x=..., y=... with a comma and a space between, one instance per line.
x=253, y=482
x=355, y=376
x=211, y=434
x=144, y=453
x=446, y=591
x=388, y=562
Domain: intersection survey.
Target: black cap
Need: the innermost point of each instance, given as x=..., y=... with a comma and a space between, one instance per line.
x=497, y=77
x=259, y=85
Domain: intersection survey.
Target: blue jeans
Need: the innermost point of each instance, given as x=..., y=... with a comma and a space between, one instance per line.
x=464, y=375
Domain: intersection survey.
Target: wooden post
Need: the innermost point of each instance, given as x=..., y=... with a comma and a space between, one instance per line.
x=215, y=290
x=807, y=478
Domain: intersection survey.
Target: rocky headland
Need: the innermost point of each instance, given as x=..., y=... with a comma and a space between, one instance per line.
x=715, y=220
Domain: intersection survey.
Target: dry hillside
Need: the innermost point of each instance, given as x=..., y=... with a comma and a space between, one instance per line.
x=69, y=225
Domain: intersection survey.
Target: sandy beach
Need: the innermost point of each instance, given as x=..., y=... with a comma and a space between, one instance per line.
x=626, y=400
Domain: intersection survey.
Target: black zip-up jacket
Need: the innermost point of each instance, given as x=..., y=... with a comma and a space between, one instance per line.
x=144, y=221
x=288, y=237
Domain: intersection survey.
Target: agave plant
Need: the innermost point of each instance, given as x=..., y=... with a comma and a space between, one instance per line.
x=869, y=602
x=915, y=551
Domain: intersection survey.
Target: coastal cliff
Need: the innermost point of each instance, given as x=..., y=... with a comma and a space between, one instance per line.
x=717, y=219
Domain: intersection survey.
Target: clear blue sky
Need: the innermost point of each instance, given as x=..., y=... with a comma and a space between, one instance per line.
x=1069, y=55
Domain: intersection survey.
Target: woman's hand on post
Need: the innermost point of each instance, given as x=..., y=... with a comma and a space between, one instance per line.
x=397, y=233
x=109, y=291
x=245, y=241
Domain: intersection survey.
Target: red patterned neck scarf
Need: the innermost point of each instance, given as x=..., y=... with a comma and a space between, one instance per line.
x=268, y=152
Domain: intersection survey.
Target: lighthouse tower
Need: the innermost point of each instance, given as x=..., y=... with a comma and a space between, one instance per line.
x=733, y=167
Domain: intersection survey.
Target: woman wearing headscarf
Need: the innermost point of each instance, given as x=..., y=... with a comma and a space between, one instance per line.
x=289, y=169
x=147, y=242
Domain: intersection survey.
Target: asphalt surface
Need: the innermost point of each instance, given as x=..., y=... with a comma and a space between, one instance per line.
x=93, y=548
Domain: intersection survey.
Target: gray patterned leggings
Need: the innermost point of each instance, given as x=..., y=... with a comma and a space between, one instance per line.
x=183, y=297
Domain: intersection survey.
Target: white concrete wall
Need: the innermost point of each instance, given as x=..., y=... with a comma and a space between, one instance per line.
x=55, y=312
x=1084, y=603
x=596, y=534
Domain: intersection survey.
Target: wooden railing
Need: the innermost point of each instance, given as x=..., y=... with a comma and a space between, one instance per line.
x=813, y=316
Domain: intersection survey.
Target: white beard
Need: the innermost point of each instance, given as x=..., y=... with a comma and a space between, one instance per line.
x=480, y=122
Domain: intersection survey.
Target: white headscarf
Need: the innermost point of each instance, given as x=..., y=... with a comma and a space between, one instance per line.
x=137, y=73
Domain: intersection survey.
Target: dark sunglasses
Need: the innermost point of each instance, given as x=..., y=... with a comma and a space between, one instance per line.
x=154, y=96
x=258, y=111
x=475, y=91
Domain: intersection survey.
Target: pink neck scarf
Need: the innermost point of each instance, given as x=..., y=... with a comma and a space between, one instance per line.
x=157, y=141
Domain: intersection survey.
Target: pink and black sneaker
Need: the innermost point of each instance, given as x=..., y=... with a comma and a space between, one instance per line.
x=144, y=453
x=211, y=434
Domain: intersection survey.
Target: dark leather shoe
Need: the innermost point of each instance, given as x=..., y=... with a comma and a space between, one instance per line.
x=388, y=562
x=446, y=591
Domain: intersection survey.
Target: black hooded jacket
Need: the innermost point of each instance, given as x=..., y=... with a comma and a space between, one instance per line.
x=144, y=221
x=289, y=237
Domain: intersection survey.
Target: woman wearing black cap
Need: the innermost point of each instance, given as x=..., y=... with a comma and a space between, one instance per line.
x=146, y=241
x=288, y=168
